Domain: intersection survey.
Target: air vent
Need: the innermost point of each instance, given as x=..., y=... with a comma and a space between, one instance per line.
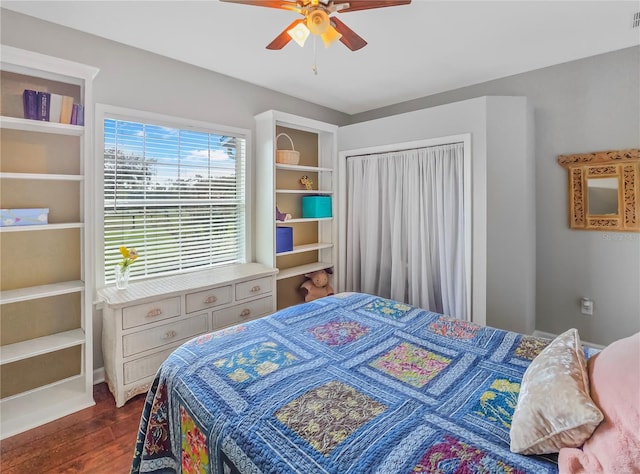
x=636, y=20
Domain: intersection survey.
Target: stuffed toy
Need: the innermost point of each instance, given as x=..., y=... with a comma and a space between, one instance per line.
x=317, y=286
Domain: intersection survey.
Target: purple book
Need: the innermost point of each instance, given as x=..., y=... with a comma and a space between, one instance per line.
x=44, y=103
x=30, y=104
x=74, y=115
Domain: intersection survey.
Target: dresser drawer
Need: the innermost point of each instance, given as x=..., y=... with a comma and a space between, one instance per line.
x=242, y=312
x=145, y=366
x=251, y=288
x=138, y=315
x=162, y=335
x=208, y=298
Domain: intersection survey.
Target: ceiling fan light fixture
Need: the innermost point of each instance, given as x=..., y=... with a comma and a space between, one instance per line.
x=318, y=22
x=299, y=33
x=330, y=36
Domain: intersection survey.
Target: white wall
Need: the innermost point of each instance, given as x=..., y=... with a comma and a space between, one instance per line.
x=503, y=245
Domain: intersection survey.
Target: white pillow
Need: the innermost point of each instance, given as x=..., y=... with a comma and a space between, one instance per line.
x=554, y=409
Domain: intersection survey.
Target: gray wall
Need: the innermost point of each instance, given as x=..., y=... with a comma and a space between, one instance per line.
x=503, y=274
x=587, y=105
x=581, y=106
x=136, y=79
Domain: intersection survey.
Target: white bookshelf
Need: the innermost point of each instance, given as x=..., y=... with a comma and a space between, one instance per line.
x=26, y=407
x=315, y=239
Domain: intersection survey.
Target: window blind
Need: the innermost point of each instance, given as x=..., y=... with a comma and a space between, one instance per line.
x=177, y=196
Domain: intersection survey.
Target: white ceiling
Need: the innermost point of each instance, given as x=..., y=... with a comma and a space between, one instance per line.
x=414, y=51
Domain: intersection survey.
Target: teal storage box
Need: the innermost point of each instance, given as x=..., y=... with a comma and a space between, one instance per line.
x=284, y=239
x=316, y=206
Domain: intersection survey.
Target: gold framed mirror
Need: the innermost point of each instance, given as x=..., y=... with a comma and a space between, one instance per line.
x=604, y=190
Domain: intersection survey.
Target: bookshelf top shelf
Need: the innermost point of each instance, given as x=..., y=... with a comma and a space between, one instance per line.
x=15, y=123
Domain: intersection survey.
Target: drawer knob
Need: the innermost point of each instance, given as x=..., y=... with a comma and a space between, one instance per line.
x=211, y=299
x=169, y=334
x=154, y=312
x=255, y=289
x=245, y=313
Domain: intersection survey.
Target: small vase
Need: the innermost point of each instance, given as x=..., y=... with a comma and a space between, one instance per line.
x=122, y=277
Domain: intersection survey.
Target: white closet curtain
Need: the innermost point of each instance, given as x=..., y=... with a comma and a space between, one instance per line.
x=405, y=227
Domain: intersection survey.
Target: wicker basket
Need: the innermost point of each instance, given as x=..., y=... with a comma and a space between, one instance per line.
x=287, y=157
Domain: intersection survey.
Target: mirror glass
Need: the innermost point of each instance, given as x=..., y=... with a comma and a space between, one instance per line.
x=603, y=196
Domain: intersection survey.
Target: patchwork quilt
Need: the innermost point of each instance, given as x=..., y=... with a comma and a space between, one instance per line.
x=351, y=383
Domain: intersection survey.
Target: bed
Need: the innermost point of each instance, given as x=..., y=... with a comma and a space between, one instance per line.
x=351, y=383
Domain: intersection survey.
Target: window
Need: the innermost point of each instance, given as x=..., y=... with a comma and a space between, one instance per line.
x=175, y=194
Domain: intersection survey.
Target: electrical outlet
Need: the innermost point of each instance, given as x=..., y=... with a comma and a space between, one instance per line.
x=586, y=306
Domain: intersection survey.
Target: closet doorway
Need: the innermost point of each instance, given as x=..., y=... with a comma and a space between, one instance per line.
x=407, y=224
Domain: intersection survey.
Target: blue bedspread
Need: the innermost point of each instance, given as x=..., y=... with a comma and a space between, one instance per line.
x=346, y=384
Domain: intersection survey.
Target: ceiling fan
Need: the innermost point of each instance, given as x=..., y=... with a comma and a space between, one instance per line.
x=318, y=20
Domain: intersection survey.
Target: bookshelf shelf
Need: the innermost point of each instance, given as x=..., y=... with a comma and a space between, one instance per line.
x=42, y=176
x=302, y=269
x=303, y=219
x=41, y=345
x=35, y=228
x=41, y=291
x=305, y=248
x=15, y=123
x=303, y=191
x=309, y=169
x=44, y=404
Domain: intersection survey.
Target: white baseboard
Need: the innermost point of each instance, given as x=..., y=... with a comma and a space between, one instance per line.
x=98, y=375
x=548, y=335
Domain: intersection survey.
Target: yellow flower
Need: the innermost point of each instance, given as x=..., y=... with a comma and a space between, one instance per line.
x=128, y=256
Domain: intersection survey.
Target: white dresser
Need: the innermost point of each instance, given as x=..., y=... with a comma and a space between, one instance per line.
x=143, y=324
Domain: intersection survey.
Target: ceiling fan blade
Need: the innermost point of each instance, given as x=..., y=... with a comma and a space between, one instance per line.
x=282, y=4
x=283, y=38
x=355, y=5
x=349, y=37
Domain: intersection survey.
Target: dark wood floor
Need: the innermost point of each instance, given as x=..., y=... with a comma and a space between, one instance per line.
x=99, y=439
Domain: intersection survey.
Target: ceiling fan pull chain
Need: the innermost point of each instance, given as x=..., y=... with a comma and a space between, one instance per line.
x=315, y=62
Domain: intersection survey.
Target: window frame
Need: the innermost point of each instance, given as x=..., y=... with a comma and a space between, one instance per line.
x=105, y=111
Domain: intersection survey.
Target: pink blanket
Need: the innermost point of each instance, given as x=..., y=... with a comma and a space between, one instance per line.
x=614, y=447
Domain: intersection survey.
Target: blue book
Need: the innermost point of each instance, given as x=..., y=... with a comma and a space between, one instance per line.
x=30, y=104
x=80, y=115
x=44, y=104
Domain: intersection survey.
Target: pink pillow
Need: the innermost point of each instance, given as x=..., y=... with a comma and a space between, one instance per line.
x=614, y=447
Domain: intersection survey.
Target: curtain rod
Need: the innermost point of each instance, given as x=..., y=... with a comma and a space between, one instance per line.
x=405, y=149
